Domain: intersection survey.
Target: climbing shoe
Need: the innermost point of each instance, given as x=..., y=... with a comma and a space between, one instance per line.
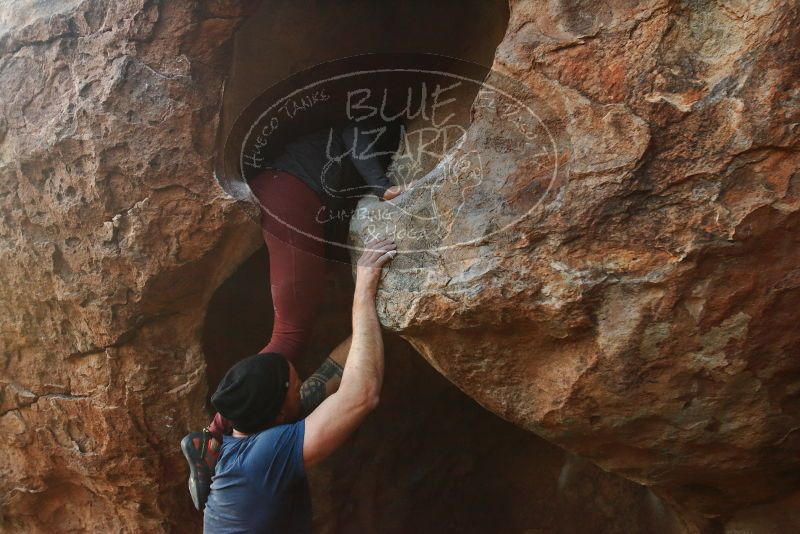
x=199, y=451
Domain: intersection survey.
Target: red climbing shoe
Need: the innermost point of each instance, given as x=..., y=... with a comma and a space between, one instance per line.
x=201, y=453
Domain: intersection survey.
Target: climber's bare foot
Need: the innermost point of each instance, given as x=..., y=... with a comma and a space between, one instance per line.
x=201, y=451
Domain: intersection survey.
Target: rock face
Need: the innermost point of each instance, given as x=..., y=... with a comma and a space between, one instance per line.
x=112, y=231
x=637, y=307
x=641, y=309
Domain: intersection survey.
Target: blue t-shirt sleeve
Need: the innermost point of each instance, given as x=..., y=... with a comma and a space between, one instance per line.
x=278, y=457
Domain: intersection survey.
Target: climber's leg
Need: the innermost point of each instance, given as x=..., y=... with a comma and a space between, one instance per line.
x=295, y=241
x=294, y=238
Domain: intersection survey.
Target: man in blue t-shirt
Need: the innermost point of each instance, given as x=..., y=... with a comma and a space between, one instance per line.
x=260, y=484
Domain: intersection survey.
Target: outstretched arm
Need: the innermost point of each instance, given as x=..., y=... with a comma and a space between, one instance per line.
x=340, y=414
x=325, y=380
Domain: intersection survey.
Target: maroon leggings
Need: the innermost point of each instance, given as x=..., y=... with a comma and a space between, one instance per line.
x=294, y=237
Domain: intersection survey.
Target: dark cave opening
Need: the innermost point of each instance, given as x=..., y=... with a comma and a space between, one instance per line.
x=284, y=37
x=238, y=321
x=300, y=66
x=239, y=316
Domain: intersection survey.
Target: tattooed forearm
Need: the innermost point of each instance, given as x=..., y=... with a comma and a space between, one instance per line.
x=313, y=391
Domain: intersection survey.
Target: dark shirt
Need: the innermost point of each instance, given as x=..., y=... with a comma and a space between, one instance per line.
x=260, y=484
x=316, y=159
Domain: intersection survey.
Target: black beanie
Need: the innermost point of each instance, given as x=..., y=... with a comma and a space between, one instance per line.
x=252, y=392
